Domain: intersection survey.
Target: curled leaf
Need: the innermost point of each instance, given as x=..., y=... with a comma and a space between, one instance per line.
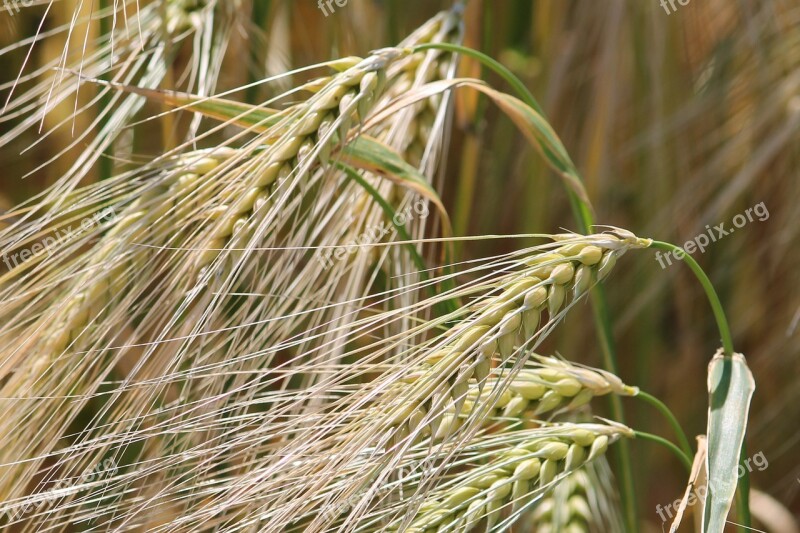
x=730, y=388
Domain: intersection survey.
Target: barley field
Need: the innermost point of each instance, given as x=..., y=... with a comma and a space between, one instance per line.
x=385, y=265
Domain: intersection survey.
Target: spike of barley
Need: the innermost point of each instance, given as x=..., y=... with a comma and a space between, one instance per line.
x=98, y=288
x=513, y=476
x=337, y=103
x=554, y=384
x=498, y=324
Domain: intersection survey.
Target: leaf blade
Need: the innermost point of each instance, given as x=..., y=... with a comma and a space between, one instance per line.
x=730, y=389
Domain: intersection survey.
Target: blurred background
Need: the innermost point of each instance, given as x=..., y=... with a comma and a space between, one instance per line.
x=678, y=117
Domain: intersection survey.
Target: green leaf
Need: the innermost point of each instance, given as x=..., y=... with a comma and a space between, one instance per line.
x=363, y=152
x=368, y=153
x=730, y=388
x=445, y=307
x=532, y=124
x=253, y=118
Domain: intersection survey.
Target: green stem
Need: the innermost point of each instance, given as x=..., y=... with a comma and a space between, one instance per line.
x=106, y=168
x=389, y=212
x=685, y=459
x=711, y=294
x=743, y=494
x=489, y=63
x=622, y=452
x=444, y=307
x=258, y=16
x=583, y=216
x=673, y=422
x=582, y=212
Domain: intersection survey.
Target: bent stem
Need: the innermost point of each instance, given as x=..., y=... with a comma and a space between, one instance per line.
x=685, y=459
x=622, y=454
x=582, y=212
x=445, y=307
x=742, y=494
x=601, y=316
x=711, y=294
x=673, y=422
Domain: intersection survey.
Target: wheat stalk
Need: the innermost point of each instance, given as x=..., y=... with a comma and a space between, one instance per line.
x=82, y=313
x=503, y=321
x=359, y=423
x=514, y=477
x=549, y=385
x=415, y=132
x=136, y=221
x=207, y=199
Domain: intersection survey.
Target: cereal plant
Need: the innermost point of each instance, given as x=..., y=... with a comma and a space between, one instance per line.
x=241, y=294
